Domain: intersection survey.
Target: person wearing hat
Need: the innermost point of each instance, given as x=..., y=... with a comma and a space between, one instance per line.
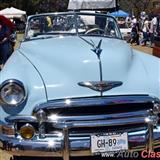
x=5, y=45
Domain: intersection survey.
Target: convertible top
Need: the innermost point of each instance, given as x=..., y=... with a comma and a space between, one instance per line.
x=92, y=4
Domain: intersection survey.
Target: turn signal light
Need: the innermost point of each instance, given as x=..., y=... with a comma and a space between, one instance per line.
x=27, y=131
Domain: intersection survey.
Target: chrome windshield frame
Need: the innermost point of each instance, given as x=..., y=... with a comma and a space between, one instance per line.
x=75, y=14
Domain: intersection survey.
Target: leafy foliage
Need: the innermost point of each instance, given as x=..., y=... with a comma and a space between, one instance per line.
x=136, y=6
x=40, y=6
x=36, y=6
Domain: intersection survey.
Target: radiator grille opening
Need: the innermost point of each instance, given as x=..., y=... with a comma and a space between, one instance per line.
x=98, y=110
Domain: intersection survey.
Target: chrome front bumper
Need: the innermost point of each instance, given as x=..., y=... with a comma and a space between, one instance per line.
x=77, y=146
x=142, y=126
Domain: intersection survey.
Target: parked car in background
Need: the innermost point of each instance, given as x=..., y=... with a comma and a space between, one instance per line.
x=156, y=47
x=75, y=89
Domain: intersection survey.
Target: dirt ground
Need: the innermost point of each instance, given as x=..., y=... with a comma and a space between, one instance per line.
x=145, y=49
x=4, y=156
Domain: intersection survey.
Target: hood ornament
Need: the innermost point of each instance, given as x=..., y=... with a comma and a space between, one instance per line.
x=97, y=49
x=100, y=86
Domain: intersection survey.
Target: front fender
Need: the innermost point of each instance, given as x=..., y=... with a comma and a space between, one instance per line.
x=151, y=65
x=20, y=68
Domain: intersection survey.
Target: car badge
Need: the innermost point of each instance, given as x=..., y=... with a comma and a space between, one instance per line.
x=100, y=86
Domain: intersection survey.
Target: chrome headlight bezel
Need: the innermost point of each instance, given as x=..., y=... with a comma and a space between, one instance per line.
x=13, y=83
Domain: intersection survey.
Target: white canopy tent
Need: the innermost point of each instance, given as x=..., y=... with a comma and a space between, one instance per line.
x=13, y=13
x=91, y=4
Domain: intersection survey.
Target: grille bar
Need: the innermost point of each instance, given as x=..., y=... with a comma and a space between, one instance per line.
x=114, y=104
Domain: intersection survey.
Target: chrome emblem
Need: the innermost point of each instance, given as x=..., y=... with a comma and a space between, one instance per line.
x=100, y=86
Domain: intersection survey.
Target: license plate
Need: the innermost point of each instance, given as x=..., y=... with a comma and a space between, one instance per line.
x=109, y=143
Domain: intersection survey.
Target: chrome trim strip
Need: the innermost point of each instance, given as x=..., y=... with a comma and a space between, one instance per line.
x=13, y=119
x=41, y=116
x=88, y=121
x=116, y=116
x=141, y=113
x=99, y=123
x=96, y=101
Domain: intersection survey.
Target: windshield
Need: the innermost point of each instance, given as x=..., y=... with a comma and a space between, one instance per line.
x=72, y=24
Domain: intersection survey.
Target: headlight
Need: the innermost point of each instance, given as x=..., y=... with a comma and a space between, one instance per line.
x=12, y=92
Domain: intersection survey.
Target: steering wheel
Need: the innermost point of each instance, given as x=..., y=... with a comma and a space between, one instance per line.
x=95, y=30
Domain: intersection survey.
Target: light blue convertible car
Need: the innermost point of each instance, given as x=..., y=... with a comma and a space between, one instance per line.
x=74, y=89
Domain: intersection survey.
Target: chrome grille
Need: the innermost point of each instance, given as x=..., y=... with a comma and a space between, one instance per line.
x=97, y=105
x=97, y=111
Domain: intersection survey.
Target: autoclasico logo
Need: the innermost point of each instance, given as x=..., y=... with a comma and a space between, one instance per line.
x=146, y=154
x=123, y=154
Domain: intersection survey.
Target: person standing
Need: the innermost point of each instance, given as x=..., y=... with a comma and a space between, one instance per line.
x=5, y=45
x=135, y=33
x=145, y=30
x=152, y=30
x=134, y=20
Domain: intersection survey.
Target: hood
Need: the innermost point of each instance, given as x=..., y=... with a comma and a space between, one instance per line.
x=63, y=62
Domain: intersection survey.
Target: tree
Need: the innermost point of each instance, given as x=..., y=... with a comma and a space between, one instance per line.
x=135, y=6
x=36, y=6
x=41, y=6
